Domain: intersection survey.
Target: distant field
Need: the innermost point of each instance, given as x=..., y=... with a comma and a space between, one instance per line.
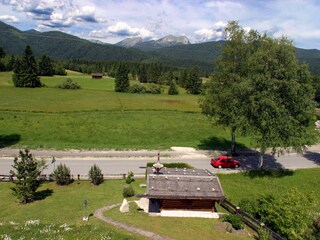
x=97, y=117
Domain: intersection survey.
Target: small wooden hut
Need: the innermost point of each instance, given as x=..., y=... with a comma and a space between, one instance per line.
x=182, y=189
x=97, y=75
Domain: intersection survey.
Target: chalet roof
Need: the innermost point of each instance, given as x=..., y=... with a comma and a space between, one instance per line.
x=179, y=183
x=97, y=74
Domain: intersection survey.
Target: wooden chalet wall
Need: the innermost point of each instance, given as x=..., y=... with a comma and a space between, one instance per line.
x=187, y=204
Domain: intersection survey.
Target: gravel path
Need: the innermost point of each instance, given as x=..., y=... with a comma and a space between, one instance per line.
x=99, y=214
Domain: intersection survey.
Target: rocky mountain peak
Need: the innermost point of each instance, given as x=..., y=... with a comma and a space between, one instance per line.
x=173, y=40
x=130, y=42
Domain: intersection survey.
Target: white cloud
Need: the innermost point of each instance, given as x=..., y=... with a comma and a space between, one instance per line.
x=9, y=19
x=122, y=29
x=214, y=33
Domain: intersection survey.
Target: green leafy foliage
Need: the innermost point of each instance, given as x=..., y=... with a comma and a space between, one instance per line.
x=69, y=84
x=128, y=191
x=137, y=88
x=261, y=89
x=95, y=175
x=173, y=165
x=289, y=214
x=130, y=178
x=27, y=171
x=153, y=88
x=26, y=70
x=62, y=175
x=234, y=219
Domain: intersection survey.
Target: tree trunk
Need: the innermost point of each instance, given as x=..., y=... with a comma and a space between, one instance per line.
x=262, y=152
x=260, y=165
x=233, y=141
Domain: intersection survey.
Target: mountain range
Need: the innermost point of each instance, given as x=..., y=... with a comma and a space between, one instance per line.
x=170, y=50
x=167, y=41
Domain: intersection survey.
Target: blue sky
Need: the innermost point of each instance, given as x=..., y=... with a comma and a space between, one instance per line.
x=200, y=20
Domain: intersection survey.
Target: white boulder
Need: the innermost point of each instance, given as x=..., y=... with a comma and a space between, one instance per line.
x=124, y=206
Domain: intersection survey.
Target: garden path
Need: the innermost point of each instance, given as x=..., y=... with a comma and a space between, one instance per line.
x=99, y=214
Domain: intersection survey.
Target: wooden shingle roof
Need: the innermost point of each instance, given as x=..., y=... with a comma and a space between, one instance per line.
x=175, y=183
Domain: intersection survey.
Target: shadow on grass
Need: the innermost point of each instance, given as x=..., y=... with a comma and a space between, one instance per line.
x=272, y=173
x=40, y=195
x=218, y=143
x=9, y=140
x=313, y=156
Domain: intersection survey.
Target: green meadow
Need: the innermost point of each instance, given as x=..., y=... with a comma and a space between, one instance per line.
x=96, y=117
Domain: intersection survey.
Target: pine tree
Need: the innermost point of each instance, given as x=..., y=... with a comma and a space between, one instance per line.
x=122, y=79
x=2, y=55
x=25, y=72
x=183, y=78
x=143, y=75
x=194, y=82
x=95, y=175
x=27, y=170
x=45, y=66
x=173, y=90
x=62, y=175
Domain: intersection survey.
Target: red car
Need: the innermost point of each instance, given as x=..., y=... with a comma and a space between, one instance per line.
x=224, y=162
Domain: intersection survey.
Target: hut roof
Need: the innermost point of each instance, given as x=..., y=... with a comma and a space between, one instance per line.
x=177, y=183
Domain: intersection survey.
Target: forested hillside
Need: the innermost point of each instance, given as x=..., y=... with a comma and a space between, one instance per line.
x=62, y=46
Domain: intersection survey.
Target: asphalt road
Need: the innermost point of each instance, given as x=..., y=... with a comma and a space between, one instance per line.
x=120, y=162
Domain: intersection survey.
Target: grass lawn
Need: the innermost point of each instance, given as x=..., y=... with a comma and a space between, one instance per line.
x=247, y=185
x=60, y=212
x=61, y=208
x=236, y=187
x=96, y=117
x=176, y=228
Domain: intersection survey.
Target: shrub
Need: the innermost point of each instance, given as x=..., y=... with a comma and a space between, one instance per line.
x=128, y=191
x=129, y=178
x=137, y=88
x=263, y=234
x=235, y=221
x=62, y=174
x=69, y=84
x=173, y=165
x=288, y=214
x=95, y=175
x=153, y=88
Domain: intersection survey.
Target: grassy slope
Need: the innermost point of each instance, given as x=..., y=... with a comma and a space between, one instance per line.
x=97, y=117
